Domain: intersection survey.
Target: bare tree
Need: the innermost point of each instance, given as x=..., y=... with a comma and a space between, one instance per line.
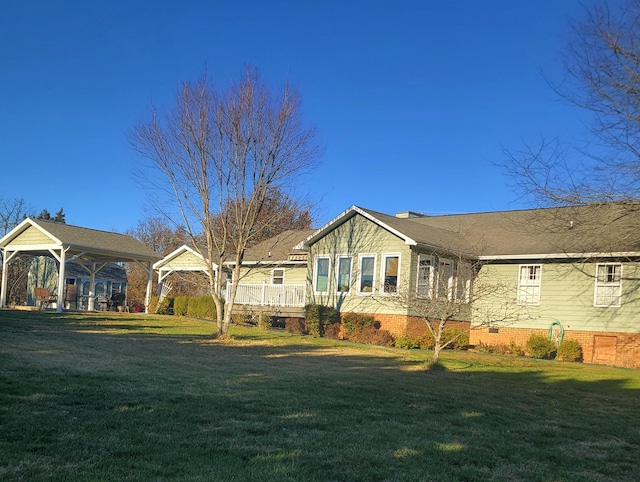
x=456, y=291
x=12, y=212
x=222, y=153
x=602, y=63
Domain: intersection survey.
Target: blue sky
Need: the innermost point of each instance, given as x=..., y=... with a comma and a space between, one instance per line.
x=413, y=100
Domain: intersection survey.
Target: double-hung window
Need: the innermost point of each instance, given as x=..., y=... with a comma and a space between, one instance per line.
x=529, y=283
x=608, y=285
x=321, y=275
x=366, y=273
x=444, y=279
x=390, y=273
x=343, y=274
x=425, y=275
x=277, y=276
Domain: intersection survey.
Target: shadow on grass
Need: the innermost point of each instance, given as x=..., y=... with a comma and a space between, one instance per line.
x=260, y=407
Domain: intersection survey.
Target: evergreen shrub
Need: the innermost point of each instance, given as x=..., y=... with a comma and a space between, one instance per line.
x=353, y=323
x=570, y=350
x=541, y=347
x=180, y=305
x=318, y=316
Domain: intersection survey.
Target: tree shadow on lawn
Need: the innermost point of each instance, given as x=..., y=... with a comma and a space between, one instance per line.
x=250, y=409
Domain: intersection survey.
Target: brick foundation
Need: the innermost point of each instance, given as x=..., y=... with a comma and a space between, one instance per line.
x=618, y=349
x=601, y=347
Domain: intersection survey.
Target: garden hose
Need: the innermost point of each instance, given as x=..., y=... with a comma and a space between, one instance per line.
x=556, y=332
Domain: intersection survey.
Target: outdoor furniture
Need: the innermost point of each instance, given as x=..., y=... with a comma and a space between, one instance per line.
x=44, y=298
x=71, y=296
x=117, y=301
x=102, y=302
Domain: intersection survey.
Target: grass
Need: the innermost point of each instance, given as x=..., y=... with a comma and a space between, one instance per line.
x=131, y=397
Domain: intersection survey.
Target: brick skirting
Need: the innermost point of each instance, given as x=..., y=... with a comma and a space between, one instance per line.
x=601, y=347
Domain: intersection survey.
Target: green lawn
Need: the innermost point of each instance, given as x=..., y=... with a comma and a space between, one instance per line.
x=131, y=397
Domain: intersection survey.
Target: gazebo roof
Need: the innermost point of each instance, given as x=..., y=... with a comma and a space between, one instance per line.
x=36, y=236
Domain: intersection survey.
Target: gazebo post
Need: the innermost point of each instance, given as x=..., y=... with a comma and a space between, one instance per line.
x=3, y=290
x=61, y=280
x=147, y=298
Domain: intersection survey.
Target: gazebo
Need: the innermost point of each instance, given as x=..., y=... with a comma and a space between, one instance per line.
x=65, y=243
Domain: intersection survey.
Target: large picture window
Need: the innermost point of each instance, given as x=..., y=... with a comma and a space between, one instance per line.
x=608, y=285
x=344, y=274
x=366, y=273
x=321, y=279
x=529, y=284
x=391, y=267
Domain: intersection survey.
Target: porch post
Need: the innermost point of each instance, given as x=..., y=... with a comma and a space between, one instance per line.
x=62, y=288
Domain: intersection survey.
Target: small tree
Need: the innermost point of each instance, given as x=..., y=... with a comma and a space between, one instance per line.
x=221, y=155
x=447, y=291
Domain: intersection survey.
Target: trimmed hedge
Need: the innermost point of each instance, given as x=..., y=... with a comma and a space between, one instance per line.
x=201, y=307
x=317, y=317
x=353, y=323
x=570, y=350
x=541, y=347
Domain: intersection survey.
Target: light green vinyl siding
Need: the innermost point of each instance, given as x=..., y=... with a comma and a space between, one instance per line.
x=184, y=260
x=295, y=274
x=354, y=237
x=567, y=296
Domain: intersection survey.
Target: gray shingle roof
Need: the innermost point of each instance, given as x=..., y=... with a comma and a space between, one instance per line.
x=102, y=245
x=611, y=228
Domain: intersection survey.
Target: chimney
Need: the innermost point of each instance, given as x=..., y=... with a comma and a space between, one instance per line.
x=409, y=214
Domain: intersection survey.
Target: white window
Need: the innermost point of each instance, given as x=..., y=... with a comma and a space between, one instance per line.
x=321, y=277
x=366, y=273
x=608, y=284
x=343, y=274
x=464, y=274
x=444, y=279
x=424, y=284
x=390, y=272
x=277, y=276
x=529, y=283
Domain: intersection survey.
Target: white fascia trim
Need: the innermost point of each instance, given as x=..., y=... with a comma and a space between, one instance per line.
x=620, y=254
x=266, y=263
x=174, y=254
x=22, y=227
x=345, y=215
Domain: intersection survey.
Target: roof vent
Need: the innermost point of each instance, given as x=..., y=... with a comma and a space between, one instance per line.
x=409, y=214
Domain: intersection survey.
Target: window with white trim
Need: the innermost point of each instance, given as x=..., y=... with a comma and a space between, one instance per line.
x=608, y=289
x=529, y=284
x=277, y=276
x=390, y=273
x=343, y=274
x=321, y=274
x=424, y=283
x=464, y=274
x=366, y=273
x=444, y=279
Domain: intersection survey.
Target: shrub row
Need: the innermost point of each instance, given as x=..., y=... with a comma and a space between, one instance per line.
x=325, y=321
x=201, y=307
x=540, y=347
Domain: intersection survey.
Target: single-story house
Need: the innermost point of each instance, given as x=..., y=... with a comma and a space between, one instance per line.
x=573, y=271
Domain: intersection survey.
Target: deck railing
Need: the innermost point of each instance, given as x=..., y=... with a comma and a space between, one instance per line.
x=269, y=295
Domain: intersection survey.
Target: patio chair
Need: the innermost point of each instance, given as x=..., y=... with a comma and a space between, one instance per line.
x=44, y=298
x=71, y=296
